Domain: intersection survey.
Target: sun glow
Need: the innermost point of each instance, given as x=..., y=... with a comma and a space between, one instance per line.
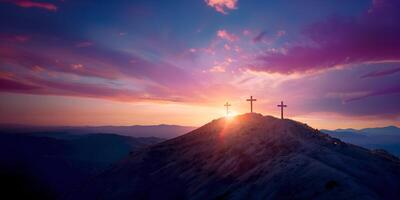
x=231, y=115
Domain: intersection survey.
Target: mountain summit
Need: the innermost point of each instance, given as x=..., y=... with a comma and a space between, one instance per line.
x=250, y=156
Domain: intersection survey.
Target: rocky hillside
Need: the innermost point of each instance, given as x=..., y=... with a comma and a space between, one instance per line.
x=250, y=157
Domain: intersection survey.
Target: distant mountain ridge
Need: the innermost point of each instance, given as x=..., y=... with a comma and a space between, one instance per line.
x=159, y=131
x=387, y=130
x=387, y=138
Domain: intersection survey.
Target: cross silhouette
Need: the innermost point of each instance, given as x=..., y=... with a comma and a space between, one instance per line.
x=227, y=108
x=282, y=106
x=251, y=102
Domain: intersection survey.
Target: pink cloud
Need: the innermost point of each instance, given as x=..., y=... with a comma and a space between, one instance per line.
x=223, y=34
x=374, y=36
x=33, y=4
x=217, y=68
x=222, y=5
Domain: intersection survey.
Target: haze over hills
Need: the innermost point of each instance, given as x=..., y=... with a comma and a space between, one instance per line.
x=159, y=131
x=250, y=157
x=387, y=138
x=388, y=130
x=48, y=165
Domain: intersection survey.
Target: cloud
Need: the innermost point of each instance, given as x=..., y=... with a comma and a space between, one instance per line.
x=222, y=5
x=95, y=61
x=9, y=85
x=155, y=79
x=41, y=86
x=338, y=41
x=94, y=90
x=263, y=36
x=33, y=4
x=381, y=73
x=62, y=86
x=259, y=37
x=382, y=92
x=217, y=68
x=223, y=34
x=31, y=60
x=344, y=93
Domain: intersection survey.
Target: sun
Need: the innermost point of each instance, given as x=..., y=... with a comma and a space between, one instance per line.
x=231, y=114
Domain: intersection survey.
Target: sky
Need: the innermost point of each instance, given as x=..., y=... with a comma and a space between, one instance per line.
x=335, y=63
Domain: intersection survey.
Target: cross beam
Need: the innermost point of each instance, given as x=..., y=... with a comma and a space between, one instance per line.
x=251, y=103
x=282, y=106
x=227, y=108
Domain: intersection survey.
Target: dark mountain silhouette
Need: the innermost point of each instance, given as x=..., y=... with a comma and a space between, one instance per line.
x=386, y=138
x=49, y=165
x=250, y=157
x=159, y=131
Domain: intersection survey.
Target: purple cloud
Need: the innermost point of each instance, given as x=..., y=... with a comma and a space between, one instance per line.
x=259, y=37
x=382, y=92
x=381, y=73
x=343, y=92
x=33, y=60
x=40, y=86
x=337, y=41
x=9, y=85
x=156, y=79
x=97, y=61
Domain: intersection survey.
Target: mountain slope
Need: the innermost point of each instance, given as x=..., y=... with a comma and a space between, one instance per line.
x=250, y=157
x=50, y=165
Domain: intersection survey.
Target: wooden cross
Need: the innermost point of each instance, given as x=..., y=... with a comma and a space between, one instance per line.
x=227, y=108
x=251, y=103
x=282, y=106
